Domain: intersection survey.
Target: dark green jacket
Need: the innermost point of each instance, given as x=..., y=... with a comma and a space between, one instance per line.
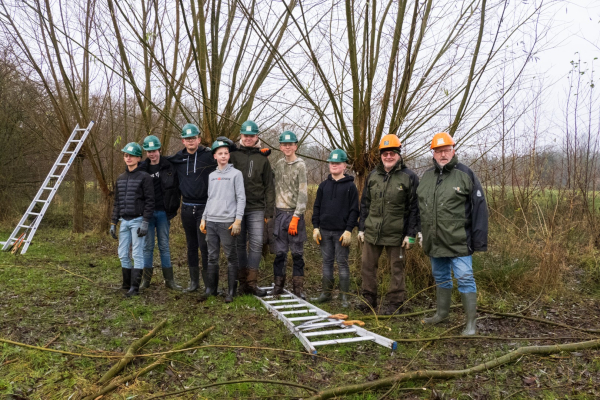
x=258, y=179
x=454, y=214
x=388, y=208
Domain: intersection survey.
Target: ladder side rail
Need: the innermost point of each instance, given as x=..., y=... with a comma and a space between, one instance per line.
x=385, y=342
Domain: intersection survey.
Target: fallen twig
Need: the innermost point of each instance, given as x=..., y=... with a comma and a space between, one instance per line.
x=485, y=337
x=52, y=340
x=412, y=314
x=545, y=321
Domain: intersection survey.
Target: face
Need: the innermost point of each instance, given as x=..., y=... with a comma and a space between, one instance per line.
x=131, y=160
x=153, y=155
x=443, y=155
x=288, y=149
x=191, y=144
x=337, y=168
x=389, y=158
x=249, y=140
x=222, y=155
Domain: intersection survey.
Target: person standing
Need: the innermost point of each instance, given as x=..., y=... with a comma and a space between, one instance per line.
x=133, y=207
x=193, y=165
x=335, y=214
x=260, y=203
x=389, y=218
x=454, y=219
x=166, y=204
x=291, y=193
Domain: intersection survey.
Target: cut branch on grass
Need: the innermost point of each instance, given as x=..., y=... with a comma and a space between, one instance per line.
x=544, y=321
x=130, y=354
x=412, y=314
x=486, y=337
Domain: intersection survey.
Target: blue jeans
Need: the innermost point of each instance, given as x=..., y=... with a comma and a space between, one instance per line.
x=128, y=237
x=253, y=224
x=160, y=222
x=442, y=268
x=332, y=250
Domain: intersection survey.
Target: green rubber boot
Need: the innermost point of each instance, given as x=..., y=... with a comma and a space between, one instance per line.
x=443, y=300
x=469, y=302
x=344, y=291
x=146, y=278
x=327, y=287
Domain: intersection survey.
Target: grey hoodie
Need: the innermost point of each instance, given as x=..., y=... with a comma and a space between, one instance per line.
x=226, y=196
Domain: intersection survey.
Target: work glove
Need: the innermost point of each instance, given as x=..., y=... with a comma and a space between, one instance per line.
x=236, y=227
x=317, y=235
x=420, y=239
x=293, y=228
x=267, y=220
x=203, y=226
x=361, y=237
x=408, y=242
x=226, y=140
x=143, y=229
x=265, y=152
x=346, y=238
x=113, y=231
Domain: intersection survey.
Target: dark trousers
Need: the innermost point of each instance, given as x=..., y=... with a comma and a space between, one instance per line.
x=285, y=242
x=219, y=236
x=370, y=258
x=190, y=219
x=332, y=250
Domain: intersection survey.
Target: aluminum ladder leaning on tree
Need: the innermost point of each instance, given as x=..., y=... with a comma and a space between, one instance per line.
x=287, y=309
x=23, y=233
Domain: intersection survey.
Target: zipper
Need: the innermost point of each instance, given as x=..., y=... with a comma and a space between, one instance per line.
x=437, y=184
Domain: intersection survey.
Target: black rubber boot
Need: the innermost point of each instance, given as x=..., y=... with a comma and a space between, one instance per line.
x=326, y=288
x=211, y=285
x=146, y=278
x=136, y=277
x=243, y=281
x=194, y=278
x=126, y=278
x=469, y=301
x=344, y=291
x=443, y=300
x=279, y=285
x=391, y=308
x=231, y=285
x=252, y=283
x=368, y=303
x=169, y=279
x=298, y=287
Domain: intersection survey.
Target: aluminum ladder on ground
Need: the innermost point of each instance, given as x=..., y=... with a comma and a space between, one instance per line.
x=290, y=309
x=30, y=221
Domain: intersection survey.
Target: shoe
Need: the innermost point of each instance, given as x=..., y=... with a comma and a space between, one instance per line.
x=443, y=300
x=136, y=277
x=146, y=278
x=298, y=287
x=368, y=303
x=242, y=277
x=194, y=278
x=169, y=280
x=279, y=285
x=126, y=278
x=327, y=287
x=252, y=284
x=469, y=302
x=345, y=291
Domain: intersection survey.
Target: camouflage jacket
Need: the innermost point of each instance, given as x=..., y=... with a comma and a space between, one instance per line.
x=291, y=186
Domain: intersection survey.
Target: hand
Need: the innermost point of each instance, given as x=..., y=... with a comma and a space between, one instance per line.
x=361, y=237
x=346, y=238
x=317, y=235
x=203, y=226
x=226, y=140
x=236, y=227
x=408, y=242
x=265, y=152
x=143, y=229
x=420, y=239
x=113, y=231
x=268, y=219
x=293, y=228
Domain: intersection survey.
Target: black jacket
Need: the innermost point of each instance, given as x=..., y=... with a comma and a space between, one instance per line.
x=336, y=205
x=169, y=184
x=258, y=179
x=134, y=196
x=192, y=172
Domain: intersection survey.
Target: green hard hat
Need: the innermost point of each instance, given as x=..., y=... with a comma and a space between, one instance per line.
x=337, y=155
x=133, y=148
x=189, y=130
x=288, y=137
x=218, y=143
x=249, y=128
x=151, y=143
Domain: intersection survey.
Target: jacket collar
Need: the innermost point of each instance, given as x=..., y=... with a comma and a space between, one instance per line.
x=399, y=166
x=448, y=167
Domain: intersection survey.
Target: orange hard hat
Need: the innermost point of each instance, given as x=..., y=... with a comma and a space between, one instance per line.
x=442, y=139
x=390, y=142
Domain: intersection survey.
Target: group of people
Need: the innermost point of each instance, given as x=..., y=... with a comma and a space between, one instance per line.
x=229, y=192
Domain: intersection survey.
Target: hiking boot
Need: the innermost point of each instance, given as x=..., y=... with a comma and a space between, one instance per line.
x=469, y=302
x=169, y=280
x=194, y=278
x=279, y=285
x=136, y=277
x=146, y=278
x=252, y=284
x=443, y=300
x=327, y=287
x=345, y=290
x=298, y=287
x=126, y=278
x=368, y=303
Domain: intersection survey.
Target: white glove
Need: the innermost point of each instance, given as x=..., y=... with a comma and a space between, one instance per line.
x=361, y=237
x=420, y=239
x=317, y=235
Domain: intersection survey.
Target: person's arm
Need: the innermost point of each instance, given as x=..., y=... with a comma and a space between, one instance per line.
x=116, y=207
x=414, y=220
x=148, y=189
x=479, y=217
x=365, y=203
x=240, y=195
x=316, y=217
x=352, y=220
x=302, y=191
x=269, y=182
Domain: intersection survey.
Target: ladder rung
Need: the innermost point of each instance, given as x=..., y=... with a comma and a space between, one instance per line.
x=32, y=213
x=283, y=295
x=339, y=341
x=74, y=141
x=303, y=318
x=41, y=201
x=54, y=176
x=25, y=226
x=319, y=325
x=69, y=152
x=48, y=188
x=332, y=332
x=289, y=306
x=297, y=312
x=62, y=164
x=282, y=301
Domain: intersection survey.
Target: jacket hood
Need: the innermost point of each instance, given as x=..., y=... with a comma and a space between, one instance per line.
x=163, y=162
x=136, y=168
x=182, y=155
x=399, y=166
x=346, y=178
x=249, y=150
x=448, y=167
x=225, y=170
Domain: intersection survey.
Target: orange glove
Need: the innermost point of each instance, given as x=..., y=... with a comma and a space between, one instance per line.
x=265, y=151
x=293, y=228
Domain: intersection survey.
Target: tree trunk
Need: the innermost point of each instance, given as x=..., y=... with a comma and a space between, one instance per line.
x=78, y=194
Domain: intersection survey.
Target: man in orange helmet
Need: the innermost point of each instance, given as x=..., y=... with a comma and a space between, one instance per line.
x=454, y=217
x=389, y=218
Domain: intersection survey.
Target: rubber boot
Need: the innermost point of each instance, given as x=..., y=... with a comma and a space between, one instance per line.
x=368, y=303
x=243, y=287
x=279, y=285
x=327, y=287
x=391, y=308
x=344, y=290
x=443, y=300
x=211, y=285
x=253, y=288
x=298, y=287
x=231, y=285
x=469, y=302
x=194, y=278
x=126, y=278
x=146, y=278
x=169, y=280
x=136, y=277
